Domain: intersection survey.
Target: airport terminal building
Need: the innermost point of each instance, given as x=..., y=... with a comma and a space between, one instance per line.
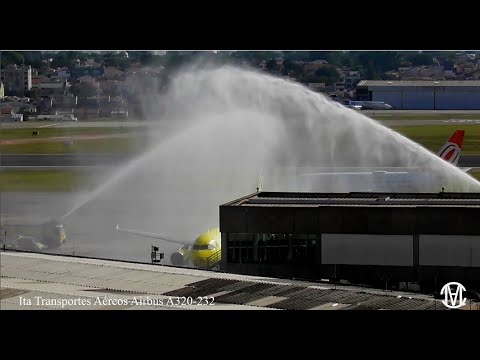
x=422, y=95
x=382, y=238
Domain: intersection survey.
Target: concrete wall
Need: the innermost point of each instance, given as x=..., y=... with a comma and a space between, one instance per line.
x=364, y=249
x=449, y=250
x=459, y=99
x=350, y=220
x=429, y=98
x=418, y=99
x=392, y=97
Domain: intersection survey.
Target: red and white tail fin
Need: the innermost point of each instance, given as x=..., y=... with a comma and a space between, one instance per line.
x=450, y=152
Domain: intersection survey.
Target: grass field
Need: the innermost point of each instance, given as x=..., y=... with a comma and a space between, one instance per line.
x=111, y=140
x=135, y=140
x=433, y=137
x=26, y=133
x=62, y=180
x=113, y=146
x=45, y=180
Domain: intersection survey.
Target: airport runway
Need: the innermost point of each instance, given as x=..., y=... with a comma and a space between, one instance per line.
x=71, y=160
x=421, y=112
x=75, y=124
x=144, y=123
x=91, y=229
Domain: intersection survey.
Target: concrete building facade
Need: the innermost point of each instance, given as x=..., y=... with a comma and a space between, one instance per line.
x=17, y=79
x=425, y=238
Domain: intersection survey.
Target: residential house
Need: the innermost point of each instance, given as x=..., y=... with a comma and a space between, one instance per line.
x=476, y=75
x=91, y=62
x=318, y=87
x=117, y=100
x=339, y=87
x=45, y=105
x=119, y=114
x=65, y=101
x=86, y=79
x=16, y=107
x=5, y=109
x=62, y=73
x=37, y=79
x=94, y=101
x=50, y=89
x=79, y=71
x=423, y=72
x=112, y=87
x=313, y=66
x=141, y=81
x=112, y=73
x=351, y=79
x=461, y=58
x=392, y=75
x=47, y=71
x=449, y=74
x=468, y=70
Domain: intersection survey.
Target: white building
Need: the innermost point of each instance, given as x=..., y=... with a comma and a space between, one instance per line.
x=423, y=95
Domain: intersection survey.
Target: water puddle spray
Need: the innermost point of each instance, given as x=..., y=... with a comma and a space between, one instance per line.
x=231, y=124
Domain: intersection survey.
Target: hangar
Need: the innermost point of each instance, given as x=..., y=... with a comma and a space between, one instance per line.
x=370, y=238
x=422, y=94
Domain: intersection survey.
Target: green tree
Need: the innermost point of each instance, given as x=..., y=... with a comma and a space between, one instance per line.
x=296, y=55
x=340, y=58
x=119, y=62
x=327, y=74
x=317, y=55
x=271, y=65
x=290, y=67
x=371, y=72
x=378, y=61
x=63, y=58
x=418, y=59
x=174, y=61
x=265, y=55
x=33, y=58
x=449, y=64
x=11, y=57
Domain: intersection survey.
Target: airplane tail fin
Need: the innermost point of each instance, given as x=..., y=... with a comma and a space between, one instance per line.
x=450, y=151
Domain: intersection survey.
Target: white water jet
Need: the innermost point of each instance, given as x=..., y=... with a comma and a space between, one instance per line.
x=231, y=124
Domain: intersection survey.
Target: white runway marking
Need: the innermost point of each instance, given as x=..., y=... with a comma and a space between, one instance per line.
x=462, y=121
x=43, y=126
